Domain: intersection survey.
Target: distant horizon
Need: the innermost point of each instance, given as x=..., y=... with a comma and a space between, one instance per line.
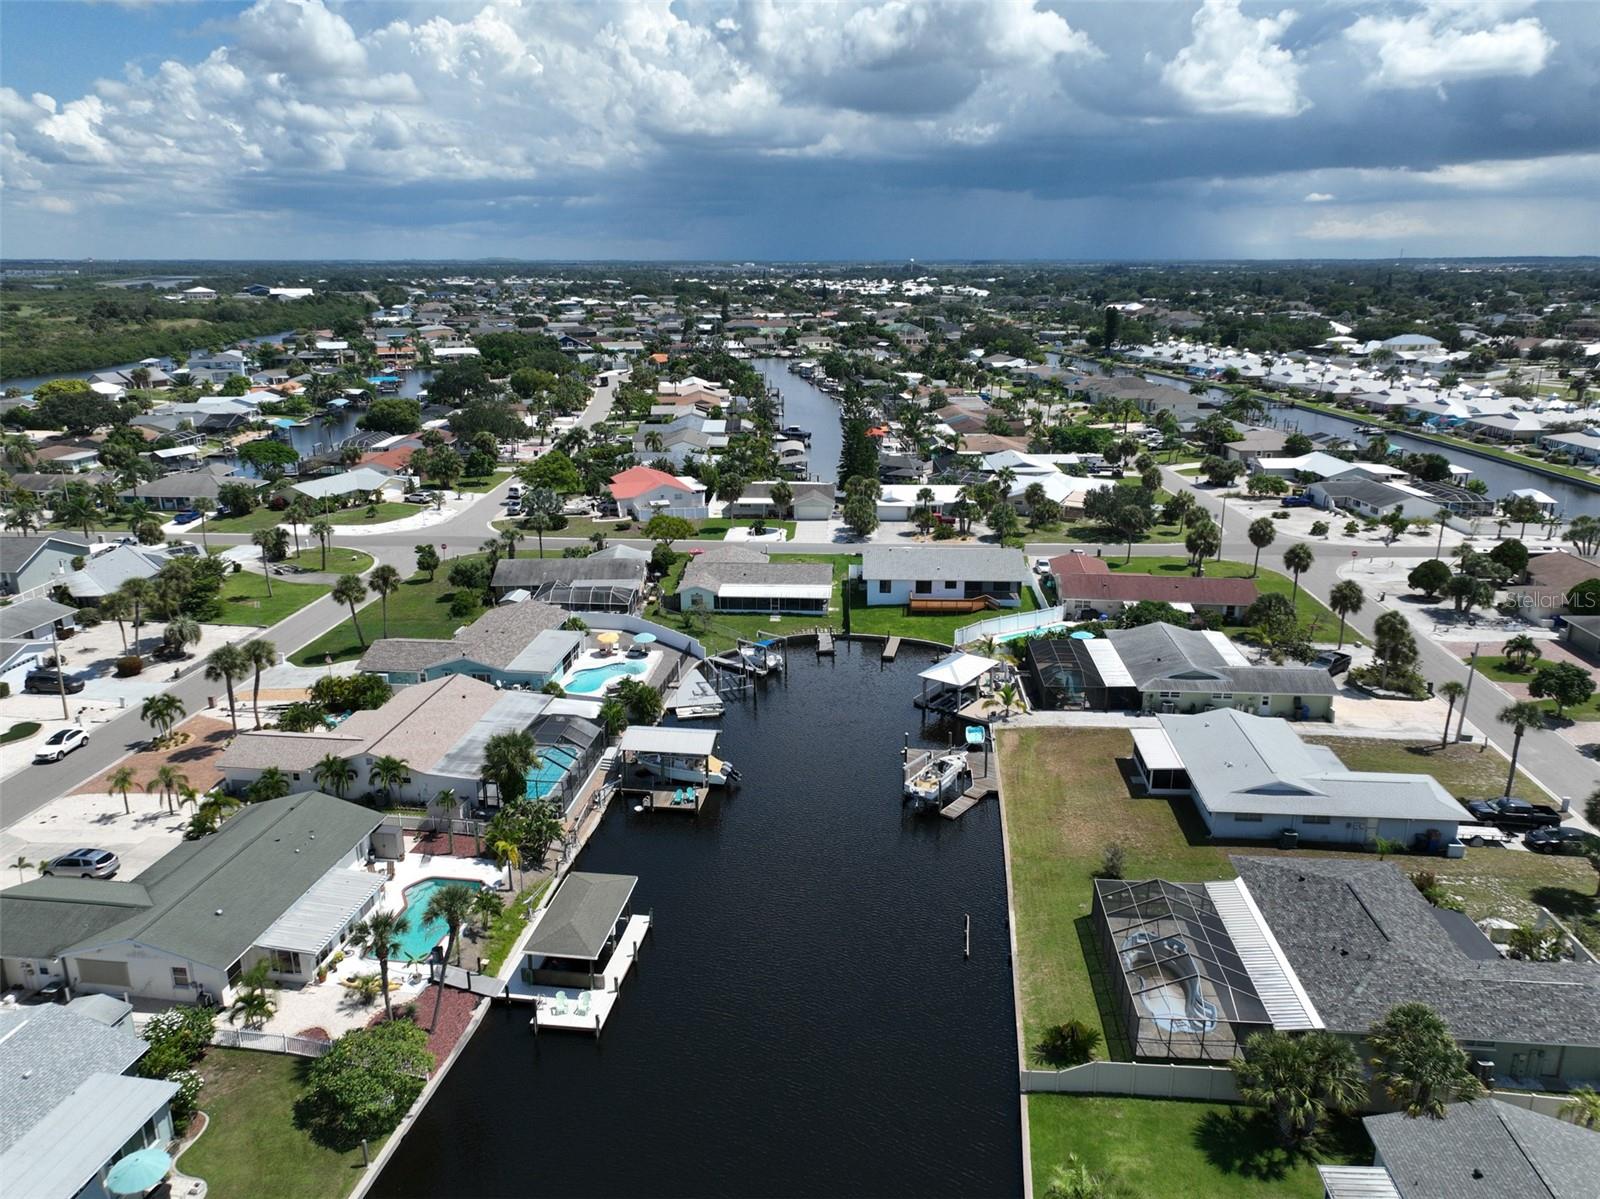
x=6, y=261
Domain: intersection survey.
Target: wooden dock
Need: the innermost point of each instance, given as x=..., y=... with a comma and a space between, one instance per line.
x=979, y=789
x=824, y=641
x=891, y=647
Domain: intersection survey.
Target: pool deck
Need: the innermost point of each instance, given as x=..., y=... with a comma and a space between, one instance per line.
x=601, y=1000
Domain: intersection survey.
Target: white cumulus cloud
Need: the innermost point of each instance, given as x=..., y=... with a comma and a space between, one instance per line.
x=1234, y=65
x=1445, y=43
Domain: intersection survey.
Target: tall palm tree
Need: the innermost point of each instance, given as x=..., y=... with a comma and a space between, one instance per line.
x=227, y=663
x=138, y=592
x=267, y=542
x=168, y=781
x=261, y=655
x=348, y=590
x=120, y=783
x=78, y=510
x=1346, y=599
x=117, y=607
x=388, y=772
x=445, y=801
x=1451, y=691
x=333, y=774
x=205, y=506
x=381, y=933
x=1298, y=558
x=299, y=513
x=161, y=711
x=510, y=536
x=452, y=904
x=1521, y=716
x=384, y=581
x=1262, y=533
x=323, y=531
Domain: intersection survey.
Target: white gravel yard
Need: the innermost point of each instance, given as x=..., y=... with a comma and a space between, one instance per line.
x=95, y=821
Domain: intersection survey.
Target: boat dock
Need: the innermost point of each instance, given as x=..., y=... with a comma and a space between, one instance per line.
x=658, y=795
x=581, y=1010
x=979, y=789
x=891, y=647
x=824, y=641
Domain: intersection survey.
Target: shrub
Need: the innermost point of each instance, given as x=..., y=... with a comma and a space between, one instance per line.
x=87, y=617
x=943, y=532
x=1319, y=528
x=362, y=1087
x=463, y=605
x=1112, y=862
x=178, y=1038
x=131, y=665
x=1069, y=1044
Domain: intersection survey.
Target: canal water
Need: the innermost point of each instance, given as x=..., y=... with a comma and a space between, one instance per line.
x=801, y=1020
x=813, y=410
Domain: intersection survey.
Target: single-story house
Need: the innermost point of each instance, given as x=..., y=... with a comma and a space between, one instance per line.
x=282, y=880
x=610, y=584
x=643, y=491
x=1542, y=593
x=1087, y=584
x=110, y=569
x=180, y=491
x=812, y=501
x=1253, y=778
x=900, y=502
x=1256, y=443
x=1369, y=498
x=1315, y=465
x=1160, y=668
x=360, y=482
x=1582, y=633
x=73, y=1109
x=734, y=578
x=511, y=645
x=1581, y=447
x=32, y=561
x=27, y=630
x=949, y=578
x=72, y=457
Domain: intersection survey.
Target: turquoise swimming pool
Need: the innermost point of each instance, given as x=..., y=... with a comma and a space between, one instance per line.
x=594, y=680
x=423, y=935
x=554, y=762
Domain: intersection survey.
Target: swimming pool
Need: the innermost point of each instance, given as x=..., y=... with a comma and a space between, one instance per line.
x=596, y=678
x=554, y=762
x=423, y=935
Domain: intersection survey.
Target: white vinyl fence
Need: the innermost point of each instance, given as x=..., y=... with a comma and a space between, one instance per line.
x=270, y=1042
x=1146, y=1079
x=1016, y=622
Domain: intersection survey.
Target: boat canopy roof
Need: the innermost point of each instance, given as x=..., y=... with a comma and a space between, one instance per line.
x=655, y=739
x=959, y=669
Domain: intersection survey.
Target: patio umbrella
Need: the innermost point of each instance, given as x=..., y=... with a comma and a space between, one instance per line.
x=609, y=638
x=1083, y=635
x=643, y=638
x=139, y=1172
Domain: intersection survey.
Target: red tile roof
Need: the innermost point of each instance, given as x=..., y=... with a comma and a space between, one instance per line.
x=637, y=480
x=1080, y=577
x=396, y=459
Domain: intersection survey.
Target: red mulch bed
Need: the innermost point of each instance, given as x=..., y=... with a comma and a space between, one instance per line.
x=454, y=1016
x=315, y=1033
x=438, y=845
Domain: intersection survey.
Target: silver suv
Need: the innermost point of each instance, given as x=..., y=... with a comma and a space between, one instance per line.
x=85, y=863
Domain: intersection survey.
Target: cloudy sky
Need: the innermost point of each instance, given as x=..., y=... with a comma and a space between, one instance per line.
x=778, y=130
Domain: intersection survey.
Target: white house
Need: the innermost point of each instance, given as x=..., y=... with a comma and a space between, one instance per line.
x=642, y=491
x=218, y=367
x=950, y=578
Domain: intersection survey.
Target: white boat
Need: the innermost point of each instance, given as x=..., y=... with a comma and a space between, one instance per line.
x=936, y=779
x=715, y=773
x=761, y=658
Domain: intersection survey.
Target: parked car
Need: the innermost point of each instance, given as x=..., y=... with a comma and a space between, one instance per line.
x=1041, y=566
x=1294, y=501
x=187, y=517
x=514, y=492
x=1482, y=834
x=1554, y=840
x=61, y=743
x=418, y=497
x=44, y=682
x=1334, y=662
x=1514, y=814
x=513, y=509
x=84, y=863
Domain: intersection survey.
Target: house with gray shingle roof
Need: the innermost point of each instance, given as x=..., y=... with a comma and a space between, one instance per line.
x=733, y=578
x=32, y=561
x=512, y=645
x=974, y=576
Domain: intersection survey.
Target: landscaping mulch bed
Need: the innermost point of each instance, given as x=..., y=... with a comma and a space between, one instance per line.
x=437, y=844
x=315, y=1033
x=454, y=1016
x=195, y=757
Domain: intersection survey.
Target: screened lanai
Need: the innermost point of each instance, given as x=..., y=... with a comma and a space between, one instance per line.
x=1182, y=990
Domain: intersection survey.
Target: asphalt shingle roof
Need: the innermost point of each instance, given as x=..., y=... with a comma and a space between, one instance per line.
x=581, y=916
x=45, y=1052
x=983, y=564
x=1487, y=1150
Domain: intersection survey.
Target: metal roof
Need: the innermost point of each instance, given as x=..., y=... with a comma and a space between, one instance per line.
x=63, y=1152
x=1108, y=663
x=958, y=669
x=1357, y=1182
x=545, y=653
x=1274, y=979
x=581, y=916
x=1155, y=750
x=656, y=739
x=319, y=915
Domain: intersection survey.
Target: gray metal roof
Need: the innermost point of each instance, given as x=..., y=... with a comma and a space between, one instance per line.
x=1163, y=657
x=207, y=900
x=945, y=563
x=25, y=616
x=1357, y=1182
x=581, y=916
x=45, y=1052
x=1360, y=939
x=64, y=1151
x=319, y=915
x=546, y=652
x=511, y=712
x=1487, y=1149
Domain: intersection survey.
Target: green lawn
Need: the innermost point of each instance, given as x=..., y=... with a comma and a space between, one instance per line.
x=339, y=561
x=1181, y=1150
x=251, y=1148
x=482, y=485
x=1497, y=669
x=1308, y=608
x=897, y=621
x=250, y=522
x=509, y=925
x=17, y=732
x=719, y=632
x=245, y=600
x=385, y=511
x=418, y=609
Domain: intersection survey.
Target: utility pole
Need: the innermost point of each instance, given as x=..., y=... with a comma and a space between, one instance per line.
x=61, y=669
x=1472, y=670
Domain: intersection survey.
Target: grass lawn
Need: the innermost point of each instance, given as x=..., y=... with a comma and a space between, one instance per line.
x=482, y=485
x=1308, y=608
x=1465, y=771
x=251, y=1148
x=1173, y=1148
x=385, y=511
x=897, y=621
x=418, y=609
x=250, y=522
x=717, y=530
x=1497, y=669
x=340, y=560
x=17, y=732
x=579, y=527
x=245, y=600
x=720, y=631
x=509, y=924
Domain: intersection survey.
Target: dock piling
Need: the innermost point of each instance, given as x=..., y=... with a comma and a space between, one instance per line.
x=966, y=951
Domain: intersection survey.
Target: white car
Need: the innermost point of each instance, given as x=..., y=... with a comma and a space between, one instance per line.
x=61, y=743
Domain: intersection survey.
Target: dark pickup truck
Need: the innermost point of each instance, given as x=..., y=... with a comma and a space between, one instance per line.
x=1510, y=813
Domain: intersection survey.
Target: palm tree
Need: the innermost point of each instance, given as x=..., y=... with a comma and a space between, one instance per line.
x=205, y=506
x=323, y=532
x=388, y=773
x=228, y=662
x=1418, y=1063
x=168, y=781
x=1521, y=650
x=381, y=933
x=510, y=536
x=1583, y=1109
x=1521, y=716
x=507, y=759
x=384, y=581
x=253, y=1000
x=262, y=655
x=78, y=510
x=1298, y=558
x=271, y=783
x=267, y=541
x=1262, y=533
x=333, y=774
x=348, y=590
x=299, y=513
x=161, y=711
x=1346, y=599
x=451, y=903
x=120, y=783
x=138, y=592
x=1299, y=1079
x=613, y=716
x=117, y=607
x=509, y=855
x=782, y=496
x=445, y=801
x=1452, y=692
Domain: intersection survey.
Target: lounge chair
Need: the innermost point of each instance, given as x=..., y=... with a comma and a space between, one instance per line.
x=558, y=1005
x=582, y=1008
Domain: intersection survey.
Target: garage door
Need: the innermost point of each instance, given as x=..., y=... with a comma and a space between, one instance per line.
x=95, y=973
